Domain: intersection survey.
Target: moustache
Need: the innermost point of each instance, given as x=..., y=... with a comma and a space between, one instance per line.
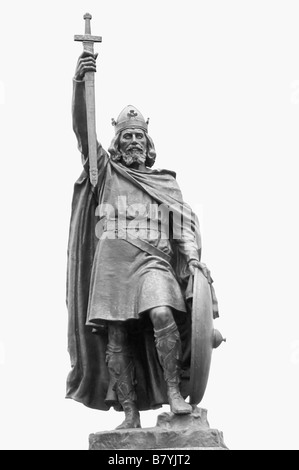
x=134, y=147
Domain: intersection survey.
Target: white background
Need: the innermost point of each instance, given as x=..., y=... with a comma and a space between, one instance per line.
x=220, y=82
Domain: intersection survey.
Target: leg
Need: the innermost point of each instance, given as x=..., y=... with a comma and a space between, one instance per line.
x=121, y=370
x=168, y=346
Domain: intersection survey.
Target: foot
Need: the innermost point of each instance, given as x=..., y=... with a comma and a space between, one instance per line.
x=177, y=403
x=132, y=417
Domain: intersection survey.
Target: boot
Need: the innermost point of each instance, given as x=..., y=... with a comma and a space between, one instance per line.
x=132, y=416
x=168, y=346
x=125, y=389
x=122, y=387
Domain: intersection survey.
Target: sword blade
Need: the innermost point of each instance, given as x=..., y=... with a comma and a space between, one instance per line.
x=91, y=127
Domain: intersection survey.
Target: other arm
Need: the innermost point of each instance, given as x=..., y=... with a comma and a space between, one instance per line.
x=188, y=239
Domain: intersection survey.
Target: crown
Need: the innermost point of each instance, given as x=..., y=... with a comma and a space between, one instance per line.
x=130, y=118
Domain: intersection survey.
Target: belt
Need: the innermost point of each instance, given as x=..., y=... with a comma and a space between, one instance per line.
x=141, y=244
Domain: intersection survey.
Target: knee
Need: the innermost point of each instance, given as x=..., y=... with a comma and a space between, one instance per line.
x=161, y=316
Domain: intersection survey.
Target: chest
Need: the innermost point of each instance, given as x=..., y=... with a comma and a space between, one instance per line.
x=121, y=198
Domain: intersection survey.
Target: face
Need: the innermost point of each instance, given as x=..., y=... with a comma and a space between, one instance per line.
x=132, y=139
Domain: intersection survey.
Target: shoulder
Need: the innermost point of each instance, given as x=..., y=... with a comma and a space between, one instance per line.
x=163, y=171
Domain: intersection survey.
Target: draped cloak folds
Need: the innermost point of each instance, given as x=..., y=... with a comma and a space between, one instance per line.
x=88, y=379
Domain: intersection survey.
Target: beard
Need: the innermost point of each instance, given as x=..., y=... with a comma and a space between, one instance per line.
x=133, y=156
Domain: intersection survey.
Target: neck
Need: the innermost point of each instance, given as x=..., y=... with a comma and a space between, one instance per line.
x=136, y=166
x=139, y=166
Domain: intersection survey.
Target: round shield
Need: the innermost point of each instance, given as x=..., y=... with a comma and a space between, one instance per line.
x=202, y=337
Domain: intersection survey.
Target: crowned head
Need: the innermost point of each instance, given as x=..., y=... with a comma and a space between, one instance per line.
x=132, y=145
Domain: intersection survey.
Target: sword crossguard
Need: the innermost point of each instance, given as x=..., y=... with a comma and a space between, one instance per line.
x=87, y=39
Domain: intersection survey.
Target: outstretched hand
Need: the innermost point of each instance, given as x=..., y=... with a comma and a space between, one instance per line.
x=86, y=63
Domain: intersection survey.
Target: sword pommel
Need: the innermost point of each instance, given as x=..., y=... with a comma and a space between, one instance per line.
x=87, y=17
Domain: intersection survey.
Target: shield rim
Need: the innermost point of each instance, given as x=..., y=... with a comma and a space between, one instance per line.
x=201, y=337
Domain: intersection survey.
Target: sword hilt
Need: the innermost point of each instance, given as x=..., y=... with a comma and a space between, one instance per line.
x=87, y=39
x=87, y=17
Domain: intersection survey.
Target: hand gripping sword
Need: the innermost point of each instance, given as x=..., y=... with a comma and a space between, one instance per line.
x=88, y=42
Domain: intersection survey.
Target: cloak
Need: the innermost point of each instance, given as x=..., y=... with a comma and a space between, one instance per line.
x=88, y=379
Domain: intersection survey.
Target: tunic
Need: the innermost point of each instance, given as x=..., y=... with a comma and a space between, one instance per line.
x=126, y=280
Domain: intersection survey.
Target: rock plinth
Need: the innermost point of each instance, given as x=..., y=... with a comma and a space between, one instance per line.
x=171, y=432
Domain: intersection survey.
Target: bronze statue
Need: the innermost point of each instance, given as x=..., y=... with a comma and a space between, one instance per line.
x=134, y=248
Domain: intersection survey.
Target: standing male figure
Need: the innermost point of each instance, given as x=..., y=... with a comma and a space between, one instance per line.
x=129, y=273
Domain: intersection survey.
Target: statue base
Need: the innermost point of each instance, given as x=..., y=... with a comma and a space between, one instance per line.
x=172, y=432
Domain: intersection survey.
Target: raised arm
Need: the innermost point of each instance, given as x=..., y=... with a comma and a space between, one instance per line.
x=86, y=63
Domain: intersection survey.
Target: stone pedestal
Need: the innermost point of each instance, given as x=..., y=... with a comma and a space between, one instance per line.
x=171, y=432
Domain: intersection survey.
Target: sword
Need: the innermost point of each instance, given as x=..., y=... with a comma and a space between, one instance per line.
x=88, y=42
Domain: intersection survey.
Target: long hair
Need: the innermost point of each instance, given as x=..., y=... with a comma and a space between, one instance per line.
x=150, y=153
